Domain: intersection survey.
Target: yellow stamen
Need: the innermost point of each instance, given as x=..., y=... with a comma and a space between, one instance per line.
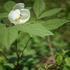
x=18, y=18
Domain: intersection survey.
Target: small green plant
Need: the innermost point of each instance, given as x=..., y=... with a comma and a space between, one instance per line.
x=63, y=60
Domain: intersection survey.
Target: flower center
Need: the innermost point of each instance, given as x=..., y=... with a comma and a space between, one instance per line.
x=18, y=18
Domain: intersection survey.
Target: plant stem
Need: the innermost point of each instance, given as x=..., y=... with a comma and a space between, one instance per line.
x=50, y=46
x=19, y=55
x=7, y=58
x=51, y=50
x=16, y=49
x=24, y=47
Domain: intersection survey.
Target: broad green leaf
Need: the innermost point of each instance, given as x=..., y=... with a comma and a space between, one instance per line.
x=3, y=15
x=50, y=12
x=59, y=59
x=8, y=36
x=54, y=23
x=38, y=7
x=34, y=29
x=9, y=5
x=67, y=60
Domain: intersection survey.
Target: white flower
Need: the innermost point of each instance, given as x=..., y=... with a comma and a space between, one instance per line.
x=19, y=15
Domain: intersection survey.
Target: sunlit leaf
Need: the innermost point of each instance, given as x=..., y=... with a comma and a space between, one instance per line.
x=67, y=60
x=39, y=7
x=8, y=36
x=54, y=23
x=59, y=59
x=50, y=12
x=34, y=29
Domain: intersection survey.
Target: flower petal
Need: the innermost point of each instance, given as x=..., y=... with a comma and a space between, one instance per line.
x=25, y=15
x=16, y=14
x=19, y=6
x=13, y=15
x=19, y=15
x=10, y=16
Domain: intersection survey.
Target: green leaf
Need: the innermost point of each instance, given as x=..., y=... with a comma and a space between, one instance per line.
x=54, y=23
x=50, y=65
x=32, y=52
x=38, y=7
x=8, y=65
x=3, y=15
x=9, y=5
x=8, y=36
x=34, y=29
x=25, y=68
x=59, y=59
x=41, y=68
x=65, y=68
x=67, y=60
x=50, y=12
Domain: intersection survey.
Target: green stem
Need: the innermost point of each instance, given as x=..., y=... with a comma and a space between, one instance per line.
x=16, y=49
x=19, y=55
x=50, y=46
x=7, y=58
x=24, y=47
